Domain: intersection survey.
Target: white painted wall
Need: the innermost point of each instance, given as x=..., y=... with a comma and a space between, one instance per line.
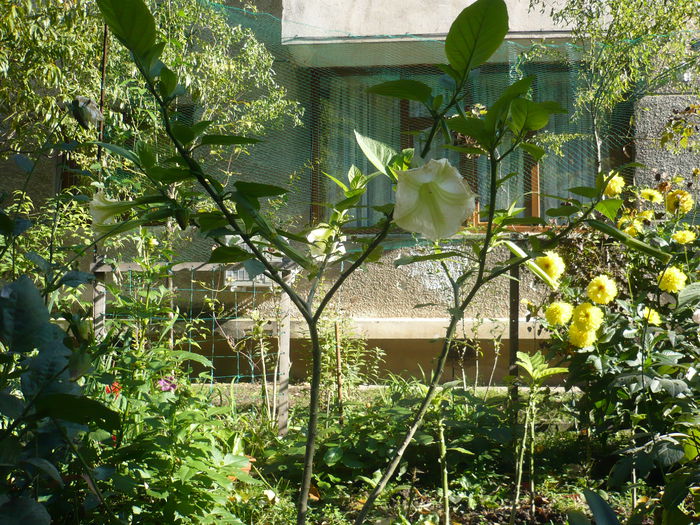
x=318, y=31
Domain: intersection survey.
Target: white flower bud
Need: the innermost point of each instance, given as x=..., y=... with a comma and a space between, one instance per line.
x=696, y=316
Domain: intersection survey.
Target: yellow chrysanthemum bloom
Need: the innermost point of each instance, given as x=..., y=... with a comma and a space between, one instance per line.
x=672, y=280
x=652, y=195
x=633, y=228
x=587, y=317
x=581, y=338
x=684, y=236
x=651, y=316
x=614, y=187
x=601, y=289
x=558, y=313
x=646, y=215
x=679, y=201
x=552, y=264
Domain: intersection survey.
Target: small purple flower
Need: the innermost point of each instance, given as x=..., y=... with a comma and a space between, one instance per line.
x=167, y=384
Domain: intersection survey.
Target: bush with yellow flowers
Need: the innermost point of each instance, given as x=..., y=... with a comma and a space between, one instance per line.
x=630, y=335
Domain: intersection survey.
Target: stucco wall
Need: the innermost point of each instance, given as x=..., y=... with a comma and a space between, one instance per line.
x=651, y=115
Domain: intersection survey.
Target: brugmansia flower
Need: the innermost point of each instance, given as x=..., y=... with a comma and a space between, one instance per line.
x=432, y=200
x=652, y=195
x=558, y=313
x=614, y=187
x=552, y=264
x=684, y=236
x=587, y=317
x=581, y=338
x=103, y=210
x=679, y=201
x=601, y=289
x=324, y=241
x=672, y=280
x=696, y=316
x=651, y=316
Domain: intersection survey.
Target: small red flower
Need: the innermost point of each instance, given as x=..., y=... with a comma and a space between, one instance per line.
x=114, y=389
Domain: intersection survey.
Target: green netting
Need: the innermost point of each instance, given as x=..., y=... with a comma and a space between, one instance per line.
x=213, y=313
x=328, y=74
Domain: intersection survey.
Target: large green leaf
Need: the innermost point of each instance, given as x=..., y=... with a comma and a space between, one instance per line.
x=602, y=512
x=378, y=153
x=78, y=410
x=476, y=34
x=527, y=115
x=24, y=511
x=131, y=22
x=629, y=241
x=689, y=294
x=609, y=207
x=229, y=254
x=404, y=88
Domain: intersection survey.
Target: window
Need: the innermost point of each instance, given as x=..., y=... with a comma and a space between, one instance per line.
x=343, y=105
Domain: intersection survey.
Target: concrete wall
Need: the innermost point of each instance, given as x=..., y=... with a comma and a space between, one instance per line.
x=652, y=112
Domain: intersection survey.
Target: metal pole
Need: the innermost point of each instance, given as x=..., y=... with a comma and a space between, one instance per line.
x=283, y=342
x=99, y=304
x=514, y=333
x=339, y=373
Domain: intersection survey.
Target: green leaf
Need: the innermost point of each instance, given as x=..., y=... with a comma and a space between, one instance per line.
x=254, y=189
x=253, y=267
x=602, y=512
x=183, y=355
x=378, y=153
x=46, y=467
x=226, y=140
x=404, y=88
x=562, y=211
x=535, y=151
x=24, y=511
x=332, y=456
x=229, y=254
x=78, y=410
x=470, y=127
x=534, y=268
x=169, y=175
x=609, y=207
x=585, y=191
x=74, y=278
x=577, y=518
x=10, y=405
x=476, y=34
x=122, y=152
x=689, y=294
x=628, y=241
x=131, y=22
x=499, y=110
x=410, y=259
x=527, y=115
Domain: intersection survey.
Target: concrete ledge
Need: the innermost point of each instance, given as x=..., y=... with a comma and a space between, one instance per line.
x=402, y=328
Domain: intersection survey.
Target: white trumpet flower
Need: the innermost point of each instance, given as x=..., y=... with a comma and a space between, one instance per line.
x=433, y=200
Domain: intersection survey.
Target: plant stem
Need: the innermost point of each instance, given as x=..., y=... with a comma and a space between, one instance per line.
x=445, y=479
x=312, y=429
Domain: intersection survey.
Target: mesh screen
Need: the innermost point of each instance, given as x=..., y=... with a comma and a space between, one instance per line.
x=336, y=103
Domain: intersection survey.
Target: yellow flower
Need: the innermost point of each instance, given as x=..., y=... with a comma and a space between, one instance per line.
x=633, y=228
x=672, y=280
x=602, y=289
x=684, y=236
x=646, y=215
x=552, y=264
x=587, y=317
x=651, y=316
x=581, y=338
x=652, y=195
x=679, y=201
x=558, y=313
x=614, y=187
